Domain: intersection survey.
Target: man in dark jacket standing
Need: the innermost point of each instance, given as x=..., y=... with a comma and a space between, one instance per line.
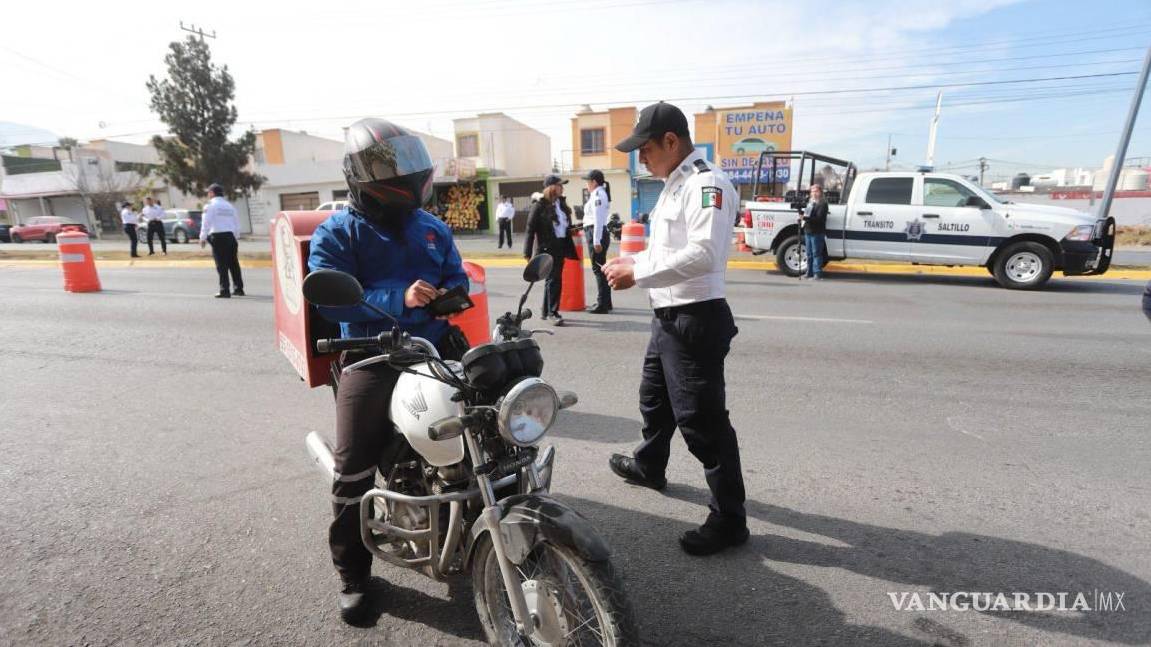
x=550, y=221
x=814, y=223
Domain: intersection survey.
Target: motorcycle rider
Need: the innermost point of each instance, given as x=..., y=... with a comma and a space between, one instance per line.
x=404, y=257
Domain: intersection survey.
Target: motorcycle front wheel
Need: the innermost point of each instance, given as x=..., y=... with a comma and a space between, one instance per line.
x=574, y=601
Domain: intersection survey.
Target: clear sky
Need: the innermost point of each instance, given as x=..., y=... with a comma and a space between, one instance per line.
x=78, y=69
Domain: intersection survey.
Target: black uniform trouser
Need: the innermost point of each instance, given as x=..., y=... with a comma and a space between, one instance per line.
x=132, y=238
x=603, y=290
x=226, y=254
x=553, y=285
x=363, y=430
x=505, y=230
x=683, y=386
x=155, y=227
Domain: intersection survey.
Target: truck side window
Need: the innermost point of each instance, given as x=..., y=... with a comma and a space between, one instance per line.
x=890, y=190
x=938, y=192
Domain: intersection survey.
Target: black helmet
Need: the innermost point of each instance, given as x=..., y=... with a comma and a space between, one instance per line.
x=388, y=169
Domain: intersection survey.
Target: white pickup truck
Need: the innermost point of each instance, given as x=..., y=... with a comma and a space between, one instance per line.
x=925, y=218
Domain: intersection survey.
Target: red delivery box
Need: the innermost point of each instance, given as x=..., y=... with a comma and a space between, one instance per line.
x=298, y=325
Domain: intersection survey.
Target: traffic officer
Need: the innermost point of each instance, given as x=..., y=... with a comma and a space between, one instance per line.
x=129, y=219
x=220, y=226
x=404, y=257
x=154, y=216
x=683, y=379
x=1147, y=301
x=595, y=214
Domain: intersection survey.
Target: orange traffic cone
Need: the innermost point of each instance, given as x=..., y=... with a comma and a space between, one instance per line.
x=631, y=239
x=77, y=262
x=571, y=295
x=474, y=321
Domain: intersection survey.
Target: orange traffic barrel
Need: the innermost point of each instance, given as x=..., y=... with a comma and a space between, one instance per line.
x=741, y=238
x=571, y=295
x=631, y=239
x=474, y=321
x=77, y=262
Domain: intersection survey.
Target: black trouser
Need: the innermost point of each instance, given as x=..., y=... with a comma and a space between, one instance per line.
x=553, y=285
x=505, y=229
x=225, y=251
x=132, y=238
x=603, y=290
x=683, y=386
x=155, y=227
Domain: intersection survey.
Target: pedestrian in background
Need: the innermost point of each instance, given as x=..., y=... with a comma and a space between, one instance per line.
x=220, y=227
x=129, y=218
x=550, y=222
x=154, y=216
x=595, y=214
x=683, y=269
x=814, y=224
x=1147, y=301
x=504, y=214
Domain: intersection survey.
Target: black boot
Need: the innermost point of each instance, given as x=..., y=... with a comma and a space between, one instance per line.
x=353, y=601
x=626, y=468
x=711, y=539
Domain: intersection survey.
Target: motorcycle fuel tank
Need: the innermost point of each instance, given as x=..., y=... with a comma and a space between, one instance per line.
x=417, y=402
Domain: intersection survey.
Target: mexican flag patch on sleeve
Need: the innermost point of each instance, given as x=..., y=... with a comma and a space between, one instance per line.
x=712, y=197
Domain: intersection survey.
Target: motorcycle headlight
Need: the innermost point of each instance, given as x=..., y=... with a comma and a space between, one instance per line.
x=527, y=412
x=1082, y=232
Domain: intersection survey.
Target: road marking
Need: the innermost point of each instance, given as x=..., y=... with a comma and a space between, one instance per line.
x=957, y=427
x=811, y=319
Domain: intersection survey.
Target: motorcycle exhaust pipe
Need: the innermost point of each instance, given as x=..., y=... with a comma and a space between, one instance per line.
x=321, y=453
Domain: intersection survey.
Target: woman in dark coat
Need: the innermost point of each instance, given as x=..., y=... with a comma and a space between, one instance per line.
x=550, y=222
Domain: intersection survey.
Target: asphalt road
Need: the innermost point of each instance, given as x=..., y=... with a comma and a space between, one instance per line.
x=899, y=434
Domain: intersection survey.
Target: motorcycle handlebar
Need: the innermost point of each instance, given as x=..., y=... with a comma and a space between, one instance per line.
x=351, y=343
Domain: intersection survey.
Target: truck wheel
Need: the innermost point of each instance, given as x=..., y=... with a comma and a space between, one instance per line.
x=1024, y=266
x=791, y=257
x=181, y=236
x=50, y=239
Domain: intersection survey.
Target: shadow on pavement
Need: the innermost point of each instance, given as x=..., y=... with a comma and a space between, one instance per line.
x=455, y=616
x=599, y=428
x=605, y=323
x=1058, y=284
x=948, y=562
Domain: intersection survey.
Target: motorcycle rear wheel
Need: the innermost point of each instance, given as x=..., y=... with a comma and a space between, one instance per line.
x=580, y=602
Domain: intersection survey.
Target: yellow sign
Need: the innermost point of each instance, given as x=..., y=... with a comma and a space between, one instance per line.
x=743, y=133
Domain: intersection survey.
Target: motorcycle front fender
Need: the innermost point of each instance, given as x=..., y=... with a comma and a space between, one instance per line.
x=526, y=520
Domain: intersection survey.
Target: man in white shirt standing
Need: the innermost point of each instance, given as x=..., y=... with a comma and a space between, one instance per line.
x=219, y=227
x=505, y=211
x=154, y=215
x=598, y=239
x=683, y=270
x=129, y=219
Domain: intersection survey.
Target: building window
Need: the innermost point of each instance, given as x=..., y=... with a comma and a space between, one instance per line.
x=591, y=141
x=340, y=194
x=468, y=145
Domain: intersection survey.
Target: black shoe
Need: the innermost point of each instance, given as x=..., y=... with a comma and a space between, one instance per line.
x=559, y=321
x=353, y=601
x=151, y=253
x=709, y=540
x=223, y=295
x=238, y=292
x=597, y=310
x=626, y=468
x=543, y=317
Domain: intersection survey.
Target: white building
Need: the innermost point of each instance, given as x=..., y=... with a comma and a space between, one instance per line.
x=500, y=145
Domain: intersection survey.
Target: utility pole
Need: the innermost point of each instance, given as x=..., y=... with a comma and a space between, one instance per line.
x=1125, y=138
x=934, y=130
x=192, y=29
x=887, y=163
x=982, y=168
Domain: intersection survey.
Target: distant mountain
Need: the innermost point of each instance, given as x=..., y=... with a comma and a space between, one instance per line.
x=13, y=134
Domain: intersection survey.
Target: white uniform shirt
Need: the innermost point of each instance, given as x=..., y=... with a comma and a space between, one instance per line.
x=219, y=216
x=127, y=216
x=561, y=225
x=152, y=212
x=505, y=211
x=691, y=225
x=595, y=213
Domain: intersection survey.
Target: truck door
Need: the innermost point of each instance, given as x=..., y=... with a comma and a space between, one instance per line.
x=953, y=232
x=879, y=223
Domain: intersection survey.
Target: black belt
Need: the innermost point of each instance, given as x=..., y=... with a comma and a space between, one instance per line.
x=699, y=307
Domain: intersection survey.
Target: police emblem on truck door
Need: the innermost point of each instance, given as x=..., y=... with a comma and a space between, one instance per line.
x=914, y=229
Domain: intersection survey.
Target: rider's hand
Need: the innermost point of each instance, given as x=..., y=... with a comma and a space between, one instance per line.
x=420, y=294
x=599, y=249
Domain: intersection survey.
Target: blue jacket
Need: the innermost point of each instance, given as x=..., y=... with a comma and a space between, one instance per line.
x=386, y=265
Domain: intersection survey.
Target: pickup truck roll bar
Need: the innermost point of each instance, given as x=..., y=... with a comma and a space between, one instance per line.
x=800, y=195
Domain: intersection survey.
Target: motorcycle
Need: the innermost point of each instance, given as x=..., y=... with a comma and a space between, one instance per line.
x=464, y=488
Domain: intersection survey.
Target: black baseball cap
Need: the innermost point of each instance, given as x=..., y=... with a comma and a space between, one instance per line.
x=596, y=175
x=654, y=121
x=553, y=179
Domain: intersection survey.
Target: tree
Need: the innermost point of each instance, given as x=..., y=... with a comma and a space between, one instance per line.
x=103, y=188
x=195, y=101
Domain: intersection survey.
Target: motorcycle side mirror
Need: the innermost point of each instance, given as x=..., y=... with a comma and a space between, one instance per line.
x=538, y=268
x=333, y=289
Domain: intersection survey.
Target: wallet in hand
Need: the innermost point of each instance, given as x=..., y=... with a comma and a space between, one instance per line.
x=451, y=302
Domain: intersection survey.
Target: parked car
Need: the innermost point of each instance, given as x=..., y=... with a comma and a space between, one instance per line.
x=44, y=228
x=751, y=146
x=180, y=225
x=334, y=205
x=5, y=235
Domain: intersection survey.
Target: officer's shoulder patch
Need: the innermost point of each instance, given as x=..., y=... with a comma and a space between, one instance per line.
x=702, y=167
x=712, y=197
x=598, y=202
